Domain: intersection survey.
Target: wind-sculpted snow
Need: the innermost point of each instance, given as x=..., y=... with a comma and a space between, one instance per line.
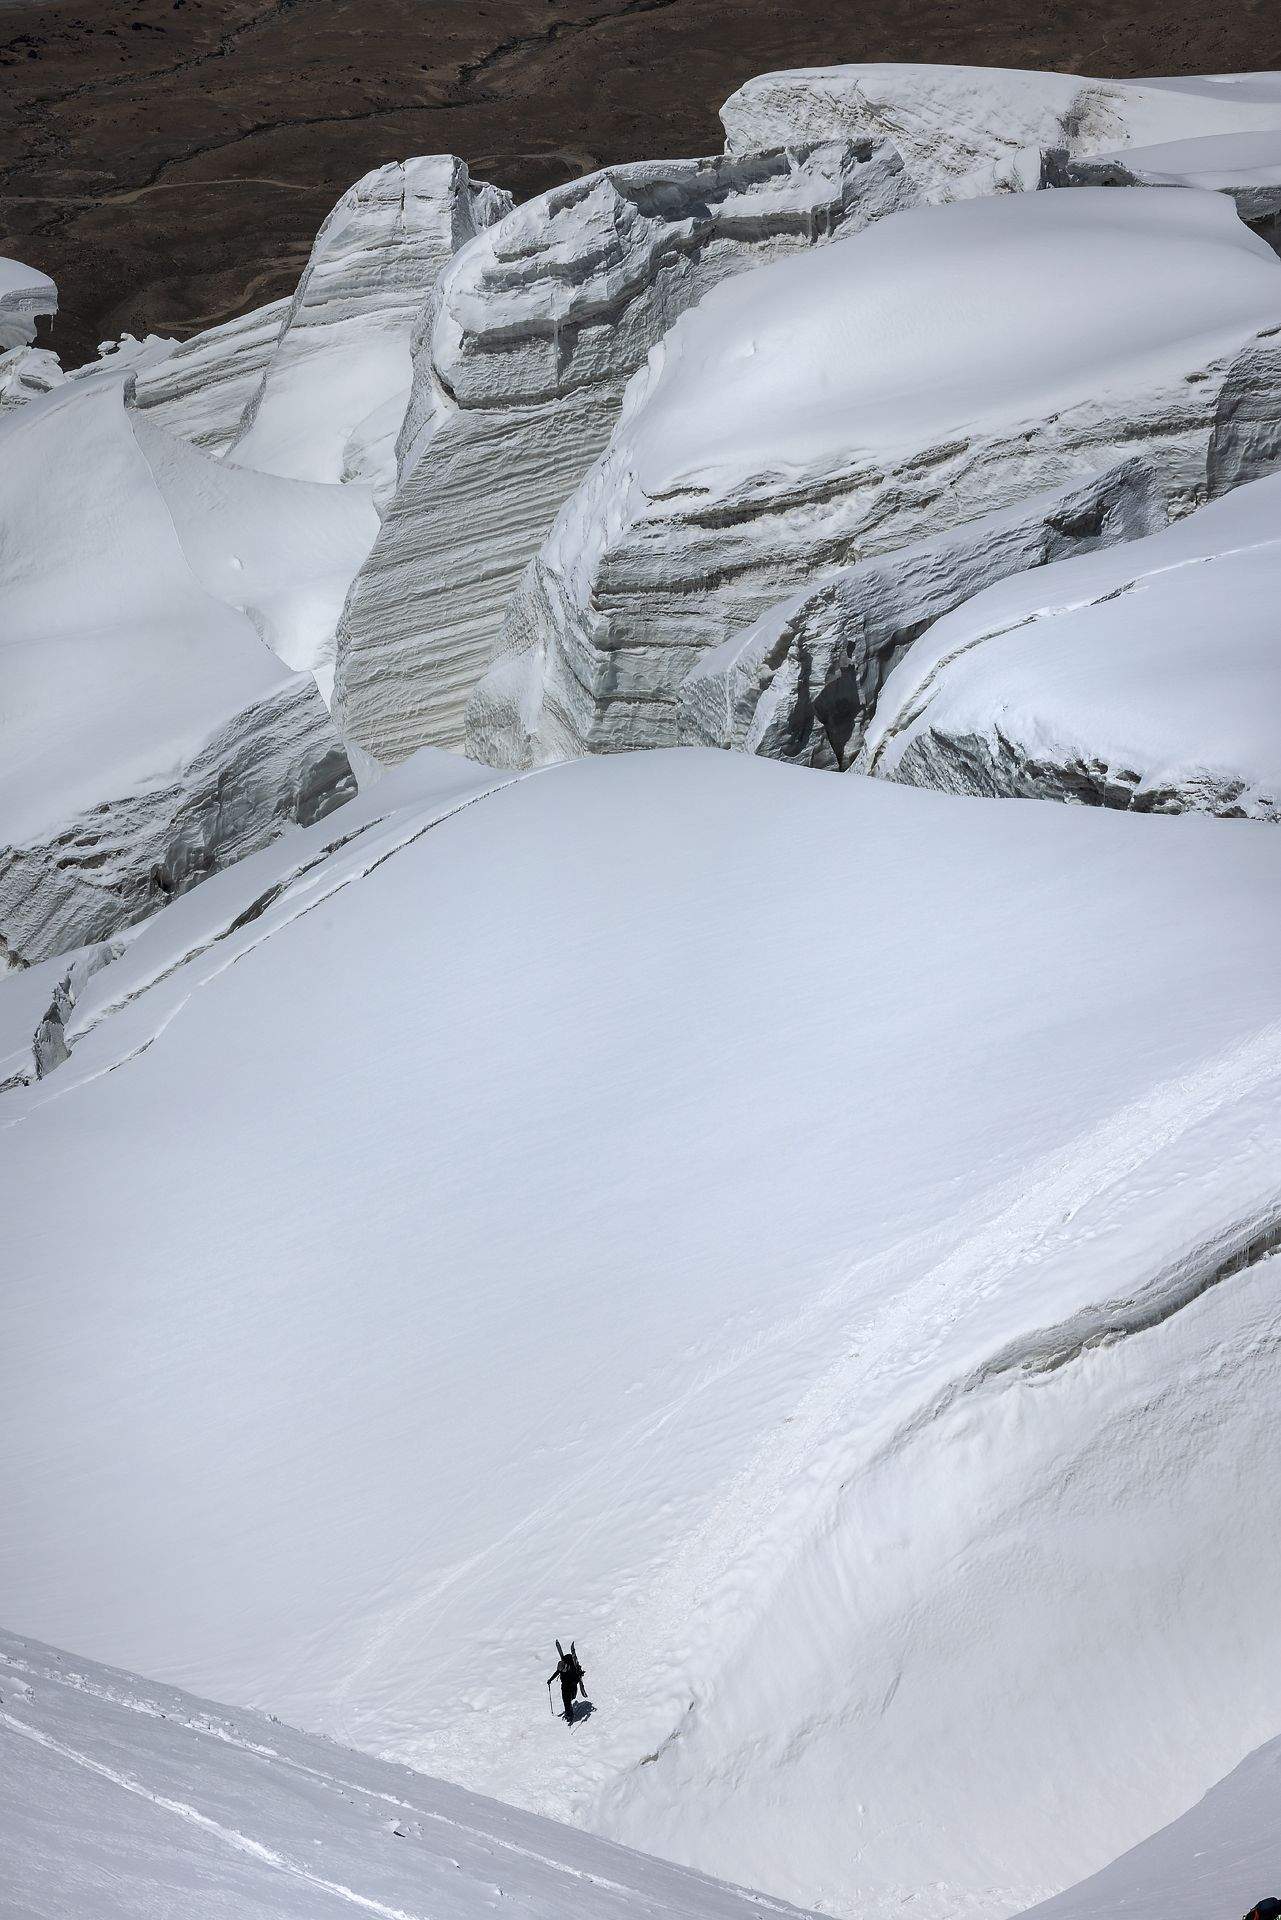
x=964, y=131
x=119, y=1797
x=1145, y=677
x=802, y=683
x=25, y=296
x=1220, y=1857
x=829, y=409
x=149, y=735
x=806, y=1237
x=330, y=400
x=517, y=385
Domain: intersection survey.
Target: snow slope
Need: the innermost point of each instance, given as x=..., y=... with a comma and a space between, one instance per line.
x=964, y=131
x=1146, y=676
x=1221, y=1857
x=119, y=1797
x=942, y=364
x=148, y=733
x=808, y=1238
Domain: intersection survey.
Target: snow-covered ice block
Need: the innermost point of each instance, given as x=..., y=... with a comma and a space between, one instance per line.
x=980, y=130
x=149, y=734
x=331, y=397
x=1245, y=166
x=200, y=388
x=806, y=1237
x=25, y=295
x=1148, y=676
x=120, y=1797
x=940, y=365
x=802, y=682
x=517, y=384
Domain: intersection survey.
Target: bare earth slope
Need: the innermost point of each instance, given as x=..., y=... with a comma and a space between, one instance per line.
x=168, y=161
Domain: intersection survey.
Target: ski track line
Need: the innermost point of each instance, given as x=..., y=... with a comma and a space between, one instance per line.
x=820, y=1425
x=334, y=1781
x=293, y=894
x=230, y=1836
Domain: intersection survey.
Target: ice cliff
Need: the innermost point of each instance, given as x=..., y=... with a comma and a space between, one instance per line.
x=518, y=380
x=833, y=408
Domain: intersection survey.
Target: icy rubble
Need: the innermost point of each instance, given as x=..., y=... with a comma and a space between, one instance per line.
x=802, y=682
x=984, y=1430
x=1146, y=677
x=332, y=395
x=119, y=1797
x=964, y=131
x=936, y=367
x=1246, y=166
x=149, y=735
x=517, y=384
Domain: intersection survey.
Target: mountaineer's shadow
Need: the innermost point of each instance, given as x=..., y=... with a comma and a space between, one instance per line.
x=581, y=1710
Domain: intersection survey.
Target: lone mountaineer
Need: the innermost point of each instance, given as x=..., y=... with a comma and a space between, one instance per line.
x=571, y=1676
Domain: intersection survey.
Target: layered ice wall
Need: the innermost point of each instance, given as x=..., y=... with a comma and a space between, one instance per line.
x=1146, y=677
x=330, y=400
x=517, y=385
x=833, y=408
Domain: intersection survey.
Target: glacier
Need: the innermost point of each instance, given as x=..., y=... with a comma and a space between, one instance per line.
x=565, y=1069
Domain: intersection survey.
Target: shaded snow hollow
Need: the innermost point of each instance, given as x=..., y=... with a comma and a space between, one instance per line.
x=119, y=1797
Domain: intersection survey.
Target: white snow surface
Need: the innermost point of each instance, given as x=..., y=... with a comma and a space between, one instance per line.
x=1221, y=1857
x=996, y=310
x=967, y=131
x=805, y=1237
x=119, y=1797
x=1216, y=162
x=1148, y=675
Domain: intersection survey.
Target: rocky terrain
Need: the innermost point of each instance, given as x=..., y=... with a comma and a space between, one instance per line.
x=169, y=161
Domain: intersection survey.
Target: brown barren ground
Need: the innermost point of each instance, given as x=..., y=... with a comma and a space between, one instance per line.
x=169, y=161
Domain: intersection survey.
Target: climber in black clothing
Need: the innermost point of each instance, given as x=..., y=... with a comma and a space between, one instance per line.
x=571, y=1677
